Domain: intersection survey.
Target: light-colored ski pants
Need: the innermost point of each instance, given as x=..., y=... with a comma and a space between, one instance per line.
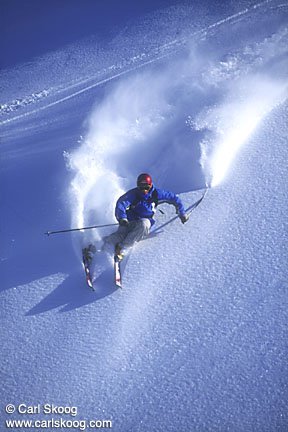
x=126, y=236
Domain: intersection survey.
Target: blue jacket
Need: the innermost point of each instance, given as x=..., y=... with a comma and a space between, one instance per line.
x=134, y=204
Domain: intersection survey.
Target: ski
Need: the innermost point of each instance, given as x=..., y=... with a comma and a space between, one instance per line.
x=86, y=267
x=117, y=272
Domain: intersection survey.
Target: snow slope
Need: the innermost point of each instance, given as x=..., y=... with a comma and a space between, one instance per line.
x=196, y=340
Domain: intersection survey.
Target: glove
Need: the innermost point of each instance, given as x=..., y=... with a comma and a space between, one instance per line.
x=123, y=222
x=184, y=218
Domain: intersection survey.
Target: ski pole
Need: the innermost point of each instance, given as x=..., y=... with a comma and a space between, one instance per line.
x=79, y=229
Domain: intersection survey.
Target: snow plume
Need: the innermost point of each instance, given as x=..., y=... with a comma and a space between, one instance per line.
x=233, y=121
x=118, y=145
x=248, y=84
x=183, y=120
x=140, y=125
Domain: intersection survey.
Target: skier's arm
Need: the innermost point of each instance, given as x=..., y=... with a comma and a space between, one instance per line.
x=122, y=206
x=172, y=198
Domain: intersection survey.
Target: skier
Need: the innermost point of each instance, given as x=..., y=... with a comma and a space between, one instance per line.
x=135, y=212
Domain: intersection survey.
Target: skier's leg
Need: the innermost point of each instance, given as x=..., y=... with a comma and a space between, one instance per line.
x=137, y=230
x=118, y=236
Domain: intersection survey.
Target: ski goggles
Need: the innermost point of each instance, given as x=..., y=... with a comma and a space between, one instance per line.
x=144, y=187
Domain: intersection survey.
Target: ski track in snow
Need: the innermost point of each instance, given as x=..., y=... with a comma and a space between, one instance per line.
x=196, y=340
x=161, y=52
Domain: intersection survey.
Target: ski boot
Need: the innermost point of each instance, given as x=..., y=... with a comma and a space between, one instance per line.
x=88, y=253
x=119, y=255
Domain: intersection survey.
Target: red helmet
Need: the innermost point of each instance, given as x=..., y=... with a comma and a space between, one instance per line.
x=144, y=181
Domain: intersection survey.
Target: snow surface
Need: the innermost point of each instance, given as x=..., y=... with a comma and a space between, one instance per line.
x=197, y=339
